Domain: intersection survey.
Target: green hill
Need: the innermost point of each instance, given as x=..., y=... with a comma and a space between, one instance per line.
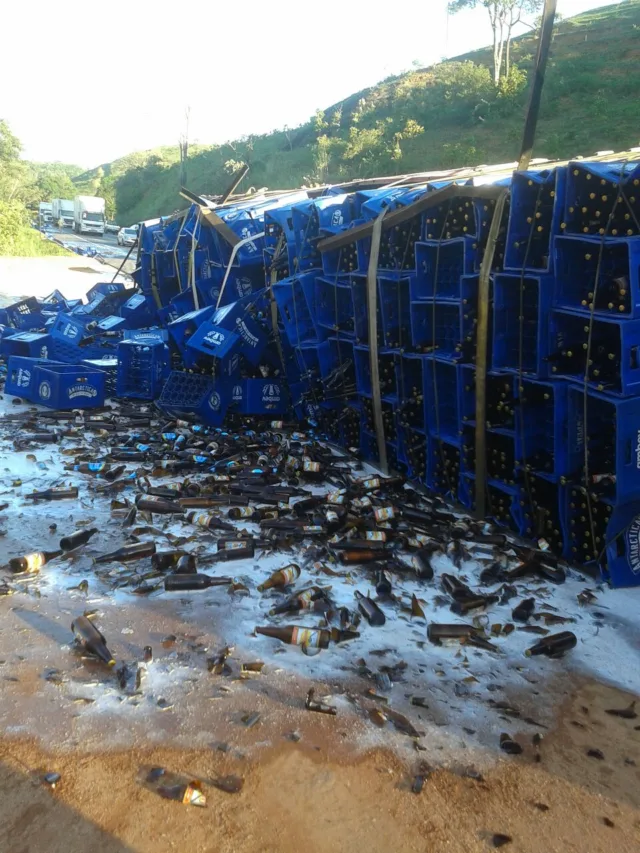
x=445, y=116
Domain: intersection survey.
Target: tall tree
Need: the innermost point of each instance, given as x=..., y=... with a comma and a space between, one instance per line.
x=504, y=16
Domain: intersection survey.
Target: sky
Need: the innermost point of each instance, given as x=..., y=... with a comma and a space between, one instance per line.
x=87, y=82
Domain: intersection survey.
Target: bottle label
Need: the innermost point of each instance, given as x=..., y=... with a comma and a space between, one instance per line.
x=305, y=598
x=245, y=511
x=361, y=503
x=202, y=519
x=309, y=465
x=290, y=573
x=200, y=460
x=277, y=424
x=34, y=561
x=375, y=536
x=221, y=478
x=312, y=528
x=336, y=498
x=96, y=466
x=306, y=637
x=168, y=436
x=330, y=515
x=371, y=485
x=143, y=448
x=335, y=538
x=384, y=513
x=234, y=546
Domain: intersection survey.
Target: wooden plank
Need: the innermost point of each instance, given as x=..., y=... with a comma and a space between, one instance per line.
x=481, y=354
x=374, y=366
x=338, y=241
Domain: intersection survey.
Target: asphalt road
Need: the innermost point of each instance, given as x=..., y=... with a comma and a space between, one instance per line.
x=106, y=246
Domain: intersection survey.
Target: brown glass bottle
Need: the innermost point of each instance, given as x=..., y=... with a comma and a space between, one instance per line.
x=92, y=640
x=75, y=540
x=370, y=610
x=318, y=638
x=554, y=645
x=282, y=577
x=158, y=505
x=32, y=563
x=193, y=581
x=138, y=551
x=164, y=560
x=52, y=495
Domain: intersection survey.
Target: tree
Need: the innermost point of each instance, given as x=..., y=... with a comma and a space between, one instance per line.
x=504, y=16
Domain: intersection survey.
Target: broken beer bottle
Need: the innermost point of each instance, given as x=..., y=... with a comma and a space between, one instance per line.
x=32, y=563
x=91, y=639
x=294, y=635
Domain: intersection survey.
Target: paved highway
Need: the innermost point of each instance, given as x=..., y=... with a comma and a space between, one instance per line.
x=105, y=245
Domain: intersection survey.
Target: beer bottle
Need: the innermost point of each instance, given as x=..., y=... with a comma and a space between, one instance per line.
x=300, y=601
x=238, y=512
x=211, y=522
x=455, y=588
x=158, y=505
x=164, y=560
x=193, y=581
x=88, y=467
x=437, y=632
x=554, y=645
x=383, y=584
x=370, y=610
x=187, y=565
x=112, y=474
x=466, y=605
x=88, y=636
x=75, y=540
x=524, y=611
x=137, y=551
x=32, y=563
x=421, y=562
x=282, y=577
x=352, y=557
x=53, y=495
x=318, y=638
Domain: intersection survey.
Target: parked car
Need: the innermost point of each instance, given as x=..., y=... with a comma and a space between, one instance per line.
x=127, y=236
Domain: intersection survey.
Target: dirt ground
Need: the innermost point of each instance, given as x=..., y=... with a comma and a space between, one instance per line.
x=318, y=793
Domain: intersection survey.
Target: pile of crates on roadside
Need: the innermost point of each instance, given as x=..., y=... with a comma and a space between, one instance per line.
x=246, y=312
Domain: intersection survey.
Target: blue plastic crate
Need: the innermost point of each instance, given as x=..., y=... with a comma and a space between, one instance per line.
x=334, y=306
x=537, y=210
x=616, y=263
x=104, y=288
x=521, y=308
x=194, y=395
x=139, y=310
x=69, y=328
x=147, y=336
x=295, y=298
x=543, y=511
x=337, y=370
x=439, y=266
x=179, y=306
x=586, y=524
x=612, y=429
x=443, y=467
x=387, y=367
x=541, y=427
x=411, y=407
x=395, y=308
x=112, y=323
x=109, y=366
x=182, y=329
x=413, y=449
x=569, y=334
x=442, y=398
x=436, y=328
x=397, y=246
x=142, y=369
x=358, y=283
x=68, y=386
x=29, y=344
x=593, y=187
x=259, y=397
x=354, y=257
x=25, y=314
x=622, y=564
x=230, y=331
x=20, y=379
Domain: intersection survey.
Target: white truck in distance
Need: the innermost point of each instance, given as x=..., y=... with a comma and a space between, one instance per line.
x=62, y=209
x=44, y=213
x=88, y=214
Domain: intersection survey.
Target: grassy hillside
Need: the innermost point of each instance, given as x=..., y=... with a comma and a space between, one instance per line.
x=448, y=115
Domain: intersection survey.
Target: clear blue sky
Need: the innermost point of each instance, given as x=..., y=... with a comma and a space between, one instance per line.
x=86, y=82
